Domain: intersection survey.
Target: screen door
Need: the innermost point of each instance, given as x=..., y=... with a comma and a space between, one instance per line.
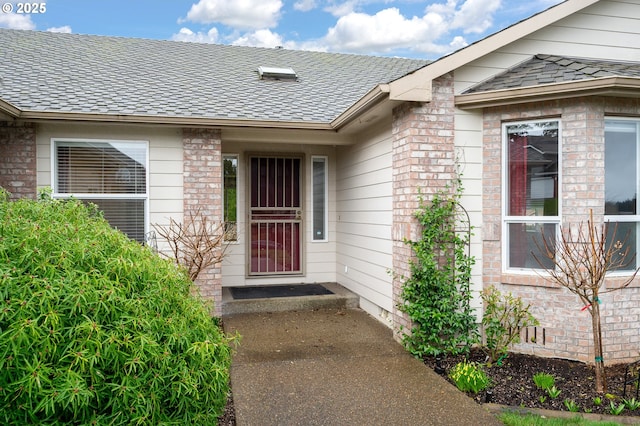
x=275, y=216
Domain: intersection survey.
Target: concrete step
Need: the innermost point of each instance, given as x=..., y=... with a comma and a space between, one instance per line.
x=340, y=298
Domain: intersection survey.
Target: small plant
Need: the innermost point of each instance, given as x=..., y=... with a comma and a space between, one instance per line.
x=554, y=392
x=543, y=380
x=469, y=377
x=503, y=319
x=542, y=399
x=597, y=401
x=616, y=409
x=571, y=405
x=196, y=244
x=631, y=404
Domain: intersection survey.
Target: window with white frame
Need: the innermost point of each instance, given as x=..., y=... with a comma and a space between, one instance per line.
x=531, y=191
x=622, y=138
x=319, y=198
x=111, y=174
x=230, y=196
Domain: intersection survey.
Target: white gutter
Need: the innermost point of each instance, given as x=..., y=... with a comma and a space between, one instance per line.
x=9, y=109
x=167, y=120
x=368, y=101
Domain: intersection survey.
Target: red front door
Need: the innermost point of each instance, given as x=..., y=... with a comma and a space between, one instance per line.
x=275, y=216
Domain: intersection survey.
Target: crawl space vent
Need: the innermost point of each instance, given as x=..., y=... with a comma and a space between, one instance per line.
x=273, y=73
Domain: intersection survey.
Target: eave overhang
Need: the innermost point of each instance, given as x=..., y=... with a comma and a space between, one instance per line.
x=374, y=97
x=604, y=86
x=7, y=108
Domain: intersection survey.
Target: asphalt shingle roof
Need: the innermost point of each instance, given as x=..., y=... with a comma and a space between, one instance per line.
x=545, y=69
x=41, y=71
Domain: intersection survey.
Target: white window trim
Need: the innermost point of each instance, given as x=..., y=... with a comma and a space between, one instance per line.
x=145, y=196
x=326, y=199
x=627, y=218
x=506, y=219
x=237, y=157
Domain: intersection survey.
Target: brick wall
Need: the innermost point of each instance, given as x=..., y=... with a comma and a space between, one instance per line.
x=18, y=159
x=565, y=330
x=203, y=192
x=423, y=162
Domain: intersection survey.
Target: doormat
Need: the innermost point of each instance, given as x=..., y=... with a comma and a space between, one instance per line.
x=267, y=291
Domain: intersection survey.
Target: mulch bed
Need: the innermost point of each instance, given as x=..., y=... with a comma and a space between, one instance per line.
x=512, y=383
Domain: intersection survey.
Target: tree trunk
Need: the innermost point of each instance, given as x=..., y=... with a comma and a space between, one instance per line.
x=601, y=377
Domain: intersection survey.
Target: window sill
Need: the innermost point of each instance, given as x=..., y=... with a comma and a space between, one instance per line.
x=526, y=278
x=537, y=280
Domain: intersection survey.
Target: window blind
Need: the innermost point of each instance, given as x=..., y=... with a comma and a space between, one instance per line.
x=112, y=175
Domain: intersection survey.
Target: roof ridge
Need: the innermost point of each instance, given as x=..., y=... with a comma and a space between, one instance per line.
x=219, y=45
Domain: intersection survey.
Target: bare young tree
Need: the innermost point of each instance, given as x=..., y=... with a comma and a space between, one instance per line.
x=579, y=261
x=195, y=244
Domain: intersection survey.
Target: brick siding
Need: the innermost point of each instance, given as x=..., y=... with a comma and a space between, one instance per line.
x=567, y=329
x=423, y=163
x=18, y=159
x=203, y=192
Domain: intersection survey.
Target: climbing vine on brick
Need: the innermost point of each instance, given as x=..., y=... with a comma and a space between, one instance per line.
x=436, y=296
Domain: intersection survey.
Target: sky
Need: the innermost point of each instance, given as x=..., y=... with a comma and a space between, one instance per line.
x=426, y=29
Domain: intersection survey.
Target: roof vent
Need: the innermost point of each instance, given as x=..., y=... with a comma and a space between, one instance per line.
x=277, y=73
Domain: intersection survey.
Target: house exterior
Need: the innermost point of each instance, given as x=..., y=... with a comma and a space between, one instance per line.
x=315, y=160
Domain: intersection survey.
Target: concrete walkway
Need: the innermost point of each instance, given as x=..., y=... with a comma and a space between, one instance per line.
x=336, y=367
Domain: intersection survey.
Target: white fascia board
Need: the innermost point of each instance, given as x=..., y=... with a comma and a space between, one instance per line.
x=9, y=109
x=417, y=85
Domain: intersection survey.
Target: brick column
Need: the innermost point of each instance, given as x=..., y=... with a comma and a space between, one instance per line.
x=18, y=159
x=203, y=191
x=423, y=159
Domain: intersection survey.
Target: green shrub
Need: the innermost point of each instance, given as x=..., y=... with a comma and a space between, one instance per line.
x=97, y=329
x=436, y=297
x=469, y=377
x=503, y=318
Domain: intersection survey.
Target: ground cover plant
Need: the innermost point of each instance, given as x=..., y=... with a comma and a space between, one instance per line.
x=97, y=329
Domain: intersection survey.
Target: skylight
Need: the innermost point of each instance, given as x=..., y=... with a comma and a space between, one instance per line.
x=275, y=73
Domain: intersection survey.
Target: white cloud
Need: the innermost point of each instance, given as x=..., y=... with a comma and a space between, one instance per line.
x=16, y=21
x=185, y=34
x=342, y=9
x=438, y=30
x=241, y=14
x=458, y=42
x=433, y=32
x=384, y=31
x=475, y=16
x=260, y=38
x=65, y=29
x=305, y=5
